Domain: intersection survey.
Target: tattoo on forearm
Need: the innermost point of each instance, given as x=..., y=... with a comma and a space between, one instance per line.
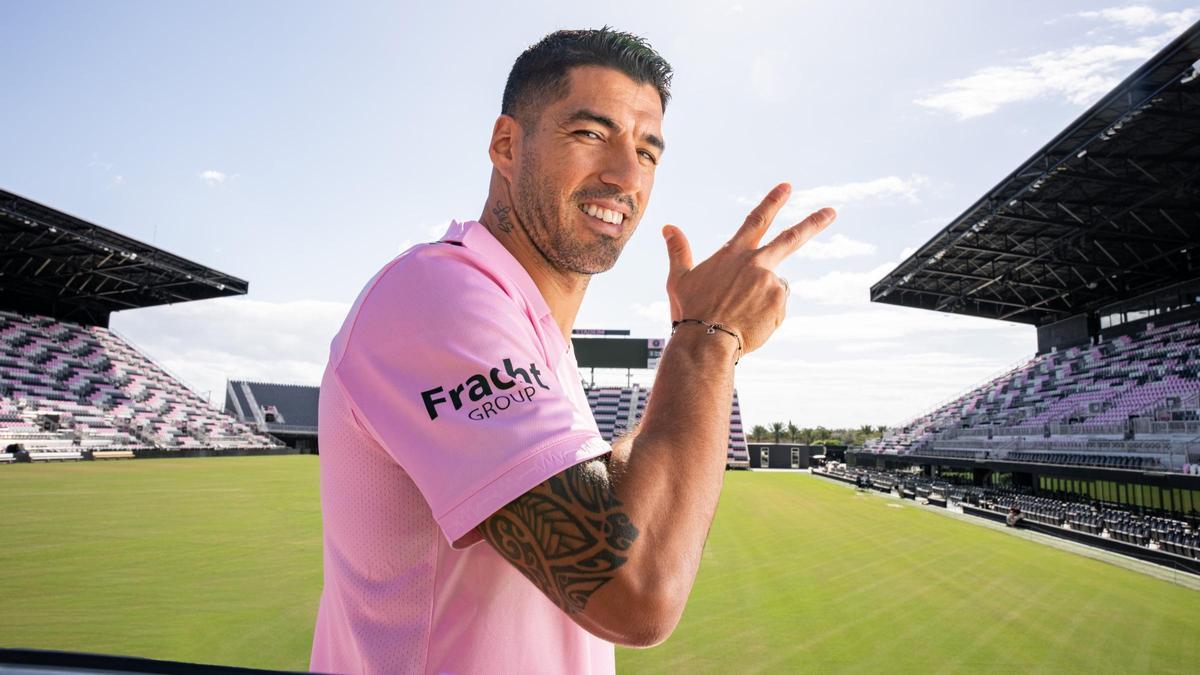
x=566, y=556
x=503, y=218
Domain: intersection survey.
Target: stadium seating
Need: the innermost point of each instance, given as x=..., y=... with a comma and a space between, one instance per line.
x=617, y=410
x=66, y=389
x=1149, y=531
x=1132, y=402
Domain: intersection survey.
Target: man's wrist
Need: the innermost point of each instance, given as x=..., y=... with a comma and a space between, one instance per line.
x=704, y=341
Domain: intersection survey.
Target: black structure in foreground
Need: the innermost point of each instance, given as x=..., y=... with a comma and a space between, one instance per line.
x=1106, y=213
x=43, y=662
x=941, y=494
x=1167, y=493
x=57, y=265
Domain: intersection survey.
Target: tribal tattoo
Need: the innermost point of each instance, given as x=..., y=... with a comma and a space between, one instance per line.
x=568, y=535
x=502, y=216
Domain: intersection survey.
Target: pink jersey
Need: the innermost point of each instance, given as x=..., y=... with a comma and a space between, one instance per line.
x=450, y=391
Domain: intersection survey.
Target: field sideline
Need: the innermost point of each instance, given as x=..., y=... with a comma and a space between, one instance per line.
x=218, y=561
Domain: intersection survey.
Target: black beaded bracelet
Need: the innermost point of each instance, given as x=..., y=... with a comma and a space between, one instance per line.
x=712, y=327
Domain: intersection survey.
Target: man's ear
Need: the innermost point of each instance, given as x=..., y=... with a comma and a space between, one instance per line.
x=505, y=145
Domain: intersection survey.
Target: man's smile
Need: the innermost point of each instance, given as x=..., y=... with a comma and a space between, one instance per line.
x=608, y=215
x=605, y=222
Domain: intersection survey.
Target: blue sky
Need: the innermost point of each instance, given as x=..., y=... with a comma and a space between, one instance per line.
x=302, y=145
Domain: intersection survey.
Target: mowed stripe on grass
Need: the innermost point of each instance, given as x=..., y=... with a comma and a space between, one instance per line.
x=806, y=574
x=214, y=560
x=218, y=561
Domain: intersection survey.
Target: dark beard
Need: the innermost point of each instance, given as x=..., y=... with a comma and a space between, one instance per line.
x=550, y=234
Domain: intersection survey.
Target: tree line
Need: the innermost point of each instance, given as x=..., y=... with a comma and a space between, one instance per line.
x=780, y=432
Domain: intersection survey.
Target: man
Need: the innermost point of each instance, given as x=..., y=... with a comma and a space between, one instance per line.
x=475, y=521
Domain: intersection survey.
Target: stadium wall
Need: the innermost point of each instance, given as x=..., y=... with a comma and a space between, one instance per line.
x=155, y=453
x=785, y=455
x=1072, y=331
x=1150, y=490
x=1163, y=558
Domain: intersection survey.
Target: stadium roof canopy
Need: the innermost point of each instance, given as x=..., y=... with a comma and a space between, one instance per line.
x=1108, y=210
x=55, y=264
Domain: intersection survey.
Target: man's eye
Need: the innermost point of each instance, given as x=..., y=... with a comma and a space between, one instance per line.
x=586, y=133
x=649, y=156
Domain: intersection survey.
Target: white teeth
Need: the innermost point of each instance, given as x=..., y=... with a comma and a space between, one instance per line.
x=607, y=215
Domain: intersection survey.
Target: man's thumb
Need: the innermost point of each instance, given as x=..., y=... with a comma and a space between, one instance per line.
x=679, y=252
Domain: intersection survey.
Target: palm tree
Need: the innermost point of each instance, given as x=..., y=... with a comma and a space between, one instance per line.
x=793, y=431
x=758, y=432
x=777, y=429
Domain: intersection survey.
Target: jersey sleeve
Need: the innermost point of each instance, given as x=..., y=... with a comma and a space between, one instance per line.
x=449, y=372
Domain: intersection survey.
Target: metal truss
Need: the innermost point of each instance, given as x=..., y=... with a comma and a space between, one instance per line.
x=55, y=264
x=1108, y=210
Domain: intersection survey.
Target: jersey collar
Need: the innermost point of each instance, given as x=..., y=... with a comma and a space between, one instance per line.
x=476, y=237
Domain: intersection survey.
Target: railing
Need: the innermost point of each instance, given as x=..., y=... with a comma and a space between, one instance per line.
x=1155, y=427
x=169, y=373
x=1003, y=372
x=1140, y=426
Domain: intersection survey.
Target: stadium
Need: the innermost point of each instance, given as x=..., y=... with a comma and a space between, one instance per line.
x=1046, y=520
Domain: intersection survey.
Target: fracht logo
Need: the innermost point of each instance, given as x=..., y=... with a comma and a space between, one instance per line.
x=492, y=388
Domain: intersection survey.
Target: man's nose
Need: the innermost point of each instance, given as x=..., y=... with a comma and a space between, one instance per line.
x=623, y=170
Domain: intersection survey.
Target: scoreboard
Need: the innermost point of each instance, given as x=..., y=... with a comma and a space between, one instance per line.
x=616, y=352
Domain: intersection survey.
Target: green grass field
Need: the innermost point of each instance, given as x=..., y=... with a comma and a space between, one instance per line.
x=218, y=561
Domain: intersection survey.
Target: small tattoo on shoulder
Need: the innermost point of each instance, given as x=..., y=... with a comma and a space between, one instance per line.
x=503, y=219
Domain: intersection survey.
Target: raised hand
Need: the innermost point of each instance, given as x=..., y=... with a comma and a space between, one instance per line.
x=737, y=286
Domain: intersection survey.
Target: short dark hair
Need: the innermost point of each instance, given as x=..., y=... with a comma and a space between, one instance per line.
x=540, y=72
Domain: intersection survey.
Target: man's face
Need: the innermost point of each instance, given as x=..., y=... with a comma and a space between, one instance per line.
x=586, y=168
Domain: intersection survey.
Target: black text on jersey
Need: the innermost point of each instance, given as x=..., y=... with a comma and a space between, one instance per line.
x=482, y=386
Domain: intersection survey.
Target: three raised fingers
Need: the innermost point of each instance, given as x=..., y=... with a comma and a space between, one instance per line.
x=756, y=224
x=791, y=239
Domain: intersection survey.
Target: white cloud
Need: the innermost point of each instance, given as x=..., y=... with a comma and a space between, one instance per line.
x=878, y=323
x=883, y=388
x=838, y=247
x=1079, y=74
x=115, y=180
x=658, y=311
x=1140, y=17
x=805, y=201
x=839, y=287
x=213, y=177
x=876, y=364
x=841, y=195
x=206, y=342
